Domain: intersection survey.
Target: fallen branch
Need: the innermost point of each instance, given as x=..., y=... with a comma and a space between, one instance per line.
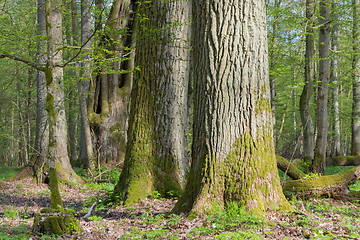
x=289, y=168
x=332, y=185
x=343, y=161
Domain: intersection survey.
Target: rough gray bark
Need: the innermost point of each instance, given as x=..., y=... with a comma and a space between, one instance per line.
x=233, y=154
x=156, y=157
x=305, y=98
x=334, y=80
x=355, y=143
x=319, y=163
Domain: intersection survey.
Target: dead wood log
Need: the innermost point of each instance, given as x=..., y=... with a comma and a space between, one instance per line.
x=289, y=168
x=336, y=185
x=343, y=161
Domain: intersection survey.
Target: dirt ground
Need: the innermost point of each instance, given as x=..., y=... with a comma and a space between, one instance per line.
x=311, y=219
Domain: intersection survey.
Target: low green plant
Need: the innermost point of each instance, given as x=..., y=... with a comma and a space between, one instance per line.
x=246, y=234
x=155, y=195
x=220, y=219
x=11, y=212
x=173, y=219
x=95, y=218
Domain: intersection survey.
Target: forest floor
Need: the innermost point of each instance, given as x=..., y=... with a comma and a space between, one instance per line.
x=310, y=219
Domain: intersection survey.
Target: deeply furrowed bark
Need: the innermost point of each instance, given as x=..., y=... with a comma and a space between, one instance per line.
x=156, y=157
x=233, y=157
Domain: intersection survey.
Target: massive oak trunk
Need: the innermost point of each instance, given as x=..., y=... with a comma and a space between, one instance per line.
x=318, y=164
x=156, y=157
x=355, y=143
x=233, y=156
x=305, y=98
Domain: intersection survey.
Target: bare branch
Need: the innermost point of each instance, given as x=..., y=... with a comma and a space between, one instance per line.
x=38, y=66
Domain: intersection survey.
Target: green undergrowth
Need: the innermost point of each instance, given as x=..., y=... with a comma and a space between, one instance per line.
x=7, y=172
x=224, y=223
x=13, y=232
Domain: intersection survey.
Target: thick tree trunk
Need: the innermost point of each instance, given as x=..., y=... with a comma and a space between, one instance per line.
x=318, y=164
x=233, y=156
x=108, y=106
x=60, y=154
x=305, y=98
x=355, y=143
x=332, y=185
x=53, y=14
x=156, y=157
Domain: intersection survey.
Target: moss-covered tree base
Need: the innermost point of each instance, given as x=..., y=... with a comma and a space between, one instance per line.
x=50, y=222
x=332, y=185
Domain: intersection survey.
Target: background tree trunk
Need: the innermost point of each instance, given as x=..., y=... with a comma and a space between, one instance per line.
x=83, y=86
x=334, y=80
x=355, y=143
x=305, y=98
x=233, y=156
x=108, y=106
x=42, y=130
x=318, y=164
x=156, y=157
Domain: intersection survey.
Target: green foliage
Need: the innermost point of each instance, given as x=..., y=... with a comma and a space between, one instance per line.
x=95, y=218
x=11, y=212
x=232, y=217
x=8, y=232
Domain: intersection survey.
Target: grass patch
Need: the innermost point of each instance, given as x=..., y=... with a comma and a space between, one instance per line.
x=7, y=172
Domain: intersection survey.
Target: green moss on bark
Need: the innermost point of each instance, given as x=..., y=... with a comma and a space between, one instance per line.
x=50, y=106
x=247, y=176
x=55, y=223
x=56, y=202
